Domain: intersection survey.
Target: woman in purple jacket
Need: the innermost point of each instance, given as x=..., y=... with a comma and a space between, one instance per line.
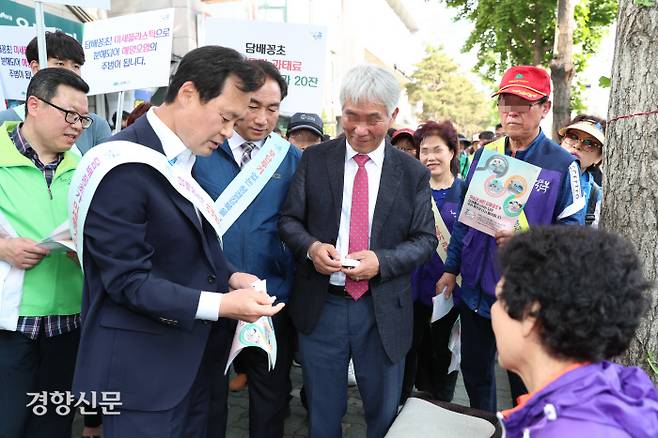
x=428, y=361
x=569, y=299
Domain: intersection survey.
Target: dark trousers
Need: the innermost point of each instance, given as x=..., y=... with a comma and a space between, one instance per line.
x=269, y=390
x=427, y=363
x=188, y=419
x=43, y=364
x=347, y=328
x=478, y=359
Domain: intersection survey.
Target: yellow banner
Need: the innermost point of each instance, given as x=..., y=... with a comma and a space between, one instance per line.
x=443, y=235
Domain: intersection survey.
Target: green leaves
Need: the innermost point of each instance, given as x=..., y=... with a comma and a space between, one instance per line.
x=645, y=3
x=513, y=32
x=605, y=82
x=445, y=93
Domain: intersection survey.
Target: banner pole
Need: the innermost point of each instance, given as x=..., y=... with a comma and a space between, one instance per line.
x=119, y=113
x=41, y=34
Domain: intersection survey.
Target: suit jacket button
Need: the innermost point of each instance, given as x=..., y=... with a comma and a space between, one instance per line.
x=211, y=279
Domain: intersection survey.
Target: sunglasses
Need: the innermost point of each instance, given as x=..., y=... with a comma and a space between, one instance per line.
x=588, y=144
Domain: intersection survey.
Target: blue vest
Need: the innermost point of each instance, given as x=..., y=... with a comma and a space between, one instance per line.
x=252, y=244
x=424, y=278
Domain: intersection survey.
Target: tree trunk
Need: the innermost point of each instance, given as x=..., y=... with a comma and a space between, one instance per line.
x=562, y=68
x=630, y=205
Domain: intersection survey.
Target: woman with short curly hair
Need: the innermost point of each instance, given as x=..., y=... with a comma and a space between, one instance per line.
x=569, y=299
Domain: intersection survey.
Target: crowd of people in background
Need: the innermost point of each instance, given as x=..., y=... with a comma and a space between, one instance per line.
x=347, y=233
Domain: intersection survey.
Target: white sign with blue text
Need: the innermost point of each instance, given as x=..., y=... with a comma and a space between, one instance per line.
x=15, y=72
x=129, y=52
x=297, y=50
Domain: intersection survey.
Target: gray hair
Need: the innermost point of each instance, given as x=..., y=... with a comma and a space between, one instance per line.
x=370, y=83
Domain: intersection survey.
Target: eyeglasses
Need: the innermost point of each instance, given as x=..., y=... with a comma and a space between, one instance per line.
x=522, y=108
x=588, y=144
x=411, y=150
x=71, y=116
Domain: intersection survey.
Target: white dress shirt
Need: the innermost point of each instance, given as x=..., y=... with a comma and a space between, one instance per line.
x=236, y=141
x=183, y=160
x=374, y=168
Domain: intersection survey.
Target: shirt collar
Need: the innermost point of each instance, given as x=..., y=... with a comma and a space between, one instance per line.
x=376, y=156
x=520, y=154
x=236, y=141
x=26, y=149
x=172, y=145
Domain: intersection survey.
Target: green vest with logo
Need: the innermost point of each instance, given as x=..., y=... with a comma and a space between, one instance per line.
x=54, y=285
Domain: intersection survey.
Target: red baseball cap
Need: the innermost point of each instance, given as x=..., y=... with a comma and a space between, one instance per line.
x=527, y=82
x=403, y=131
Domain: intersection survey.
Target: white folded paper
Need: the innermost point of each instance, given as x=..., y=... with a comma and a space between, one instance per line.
x=59, y=240
x=255, y=334
x=441, y=306
x=349, y=263
x=455, y=346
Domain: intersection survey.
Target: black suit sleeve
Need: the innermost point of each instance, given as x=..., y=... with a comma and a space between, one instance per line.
x=421, y=241
x=116, y=245
x=293, y=213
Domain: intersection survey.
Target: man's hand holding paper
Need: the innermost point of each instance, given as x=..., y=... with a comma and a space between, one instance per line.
x=367, y=267
x=241, y=280
x=248, y=304
x=446, y=284
x=257, y=331
x=502, y=236
x=21, y=252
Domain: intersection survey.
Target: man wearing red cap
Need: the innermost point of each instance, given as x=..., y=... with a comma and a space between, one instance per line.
x=403, y=140
x=523, y=101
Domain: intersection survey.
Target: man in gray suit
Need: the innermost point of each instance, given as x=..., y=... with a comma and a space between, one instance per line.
x=357, y=198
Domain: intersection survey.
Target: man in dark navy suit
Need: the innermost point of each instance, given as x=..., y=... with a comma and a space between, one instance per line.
x=156, y=295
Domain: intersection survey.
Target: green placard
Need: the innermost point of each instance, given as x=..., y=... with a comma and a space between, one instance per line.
x=15, y=14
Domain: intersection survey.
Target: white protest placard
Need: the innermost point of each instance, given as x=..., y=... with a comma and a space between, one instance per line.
x=297, y=50
x=15, y=72
x=128, y=52
x=3, y=106
x=100, y=4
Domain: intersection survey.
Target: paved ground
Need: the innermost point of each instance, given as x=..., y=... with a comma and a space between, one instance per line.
x=353, y=425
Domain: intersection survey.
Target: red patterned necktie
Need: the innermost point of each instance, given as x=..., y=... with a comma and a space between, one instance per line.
x=358, y=223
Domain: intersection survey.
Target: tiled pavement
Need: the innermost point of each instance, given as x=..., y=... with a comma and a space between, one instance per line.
x=296, y=425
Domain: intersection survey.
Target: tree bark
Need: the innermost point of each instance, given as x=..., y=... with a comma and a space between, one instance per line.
x=630, y=204
x=562, y=68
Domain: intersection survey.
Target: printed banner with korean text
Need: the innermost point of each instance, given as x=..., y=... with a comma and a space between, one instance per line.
x=15, y=72
x=128, y=52
x=297, y=50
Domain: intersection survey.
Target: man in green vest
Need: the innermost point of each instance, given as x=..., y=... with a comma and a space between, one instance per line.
x=41, y=290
